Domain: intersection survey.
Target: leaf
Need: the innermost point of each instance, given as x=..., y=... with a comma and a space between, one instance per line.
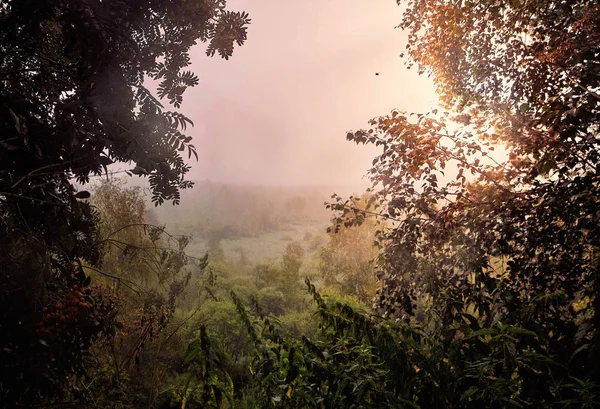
x=523, y=108
x=469, y=392
x=83, y=194
x=138, y=170
x=18, y=127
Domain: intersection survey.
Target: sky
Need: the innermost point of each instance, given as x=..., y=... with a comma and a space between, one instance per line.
x=278, y=111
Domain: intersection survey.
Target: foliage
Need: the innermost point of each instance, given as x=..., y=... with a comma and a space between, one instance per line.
x=489, y=267
x=73, y=100
x=347, y=261
x=207, y=384
x=149, y=274
x=228, y=335
x=77, y=71
x=342, y=370
x=500, y=251
x=362, y=360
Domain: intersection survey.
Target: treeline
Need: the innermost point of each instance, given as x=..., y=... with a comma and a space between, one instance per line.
x=223, y=211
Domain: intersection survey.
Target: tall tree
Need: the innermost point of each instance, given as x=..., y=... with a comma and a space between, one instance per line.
x=347, y=261
x=73, y=100
x=496, y=242
x=145, y=272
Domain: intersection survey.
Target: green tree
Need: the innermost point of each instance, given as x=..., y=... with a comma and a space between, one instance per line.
x=73, y=100
x=347, y=262
x=292, y=261
x=145, y=271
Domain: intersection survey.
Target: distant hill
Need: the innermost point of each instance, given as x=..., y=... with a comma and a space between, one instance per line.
x=222, y=211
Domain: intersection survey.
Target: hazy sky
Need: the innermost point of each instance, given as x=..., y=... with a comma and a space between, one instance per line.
x=278, y=111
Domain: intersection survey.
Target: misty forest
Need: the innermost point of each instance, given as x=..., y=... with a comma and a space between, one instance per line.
x=462, y=270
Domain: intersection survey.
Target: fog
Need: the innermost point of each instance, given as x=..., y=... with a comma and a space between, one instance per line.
x=277, y=112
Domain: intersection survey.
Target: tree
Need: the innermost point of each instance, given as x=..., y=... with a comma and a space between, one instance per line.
x=502, y=252
x=292, y=261
x=73, y=100
x=347, y=262
x=148, y=274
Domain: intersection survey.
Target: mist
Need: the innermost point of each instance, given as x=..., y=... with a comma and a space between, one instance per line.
x=277, y=112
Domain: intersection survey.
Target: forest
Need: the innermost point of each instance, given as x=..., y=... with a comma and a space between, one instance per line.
x=466, y=276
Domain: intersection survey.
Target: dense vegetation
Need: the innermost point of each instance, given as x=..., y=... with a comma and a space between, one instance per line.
x=73, y=100
x=463, y=278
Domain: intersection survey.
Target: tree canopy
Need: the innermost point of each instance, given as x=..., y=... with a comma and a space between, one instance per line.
x=74, y=98
x=497, y=241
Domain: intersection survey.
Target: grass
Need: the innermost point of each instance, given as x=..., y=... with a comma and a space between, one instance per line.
x=265, y=248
